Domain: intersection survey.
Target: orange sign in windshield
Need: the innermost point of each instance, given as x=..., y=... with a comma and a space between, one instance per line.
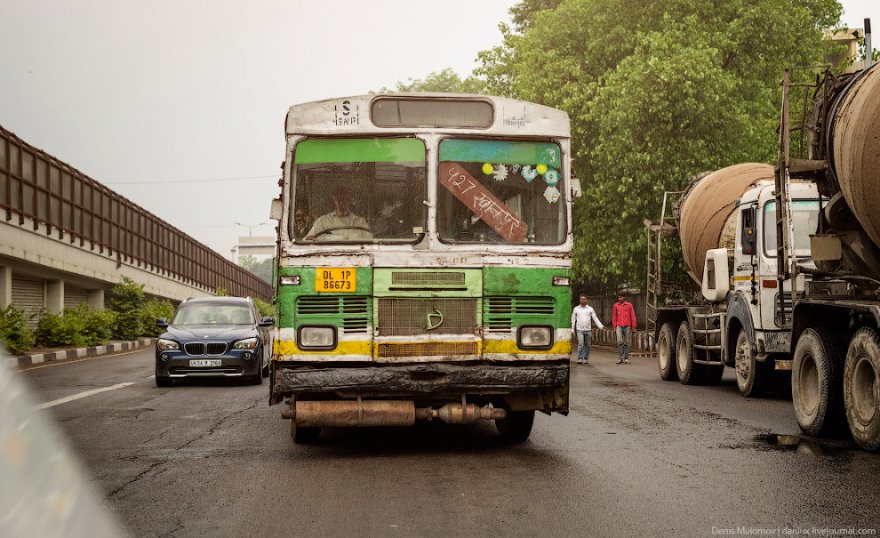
x=481, y=202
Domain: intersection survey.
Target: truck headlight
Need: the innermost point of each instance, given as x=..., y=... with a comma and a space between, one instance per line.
x=248, y=343
x=166, y=345
x=534, y=337
x=316, y=337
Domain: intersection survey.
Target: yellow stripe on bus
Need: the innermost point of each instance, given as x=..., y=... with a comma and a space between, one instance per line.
x=346, y=347
x=510, y=347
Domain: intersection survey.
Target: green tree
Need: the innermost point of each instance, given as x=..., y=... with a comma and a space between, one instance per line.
x=14, y=332
x=261, y=268
x=668, y=90
x=126, y=302
x=445, y=81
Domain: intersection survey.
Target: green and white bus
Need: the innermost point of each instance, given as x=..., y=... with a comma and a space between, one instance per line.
x=424, y=251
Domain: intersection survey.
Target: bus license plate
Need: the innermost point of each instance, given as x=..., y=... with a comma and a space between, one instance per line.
x=197, y=363
x=336, y=279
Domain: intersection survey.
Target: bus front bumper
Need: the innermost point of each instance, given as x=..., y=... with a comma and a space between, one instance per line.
x=428, y=381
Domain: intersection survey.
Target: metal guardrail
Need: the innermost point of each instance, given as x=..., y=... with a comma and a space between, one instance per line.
x=35, y=185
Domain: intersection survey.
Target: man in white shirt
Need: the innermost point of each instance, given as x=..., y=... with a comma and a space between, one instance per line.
x=340, y=224
x=582, y=318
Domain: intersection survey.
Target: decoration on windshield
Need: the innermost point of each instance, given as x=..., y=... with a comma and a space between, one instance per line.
x=529, y=173
x=481, y=202
x=551, y=177
x=500, y=172
x=551, y=194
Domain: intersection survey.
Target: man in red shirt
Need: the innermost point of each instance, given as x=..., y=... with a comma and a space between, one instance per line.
x=623, y=319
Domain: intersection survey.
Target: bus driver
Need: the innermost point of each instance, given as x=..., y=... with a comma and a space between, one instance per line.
x=340, y=224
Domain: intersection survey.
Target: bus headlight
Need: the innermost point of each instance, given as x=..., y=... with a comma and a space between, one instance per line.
x=319, y=337
x=534, y=337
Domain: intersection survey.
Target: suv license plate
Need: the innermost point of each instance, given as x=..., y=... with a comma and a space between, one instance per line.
x=195, y=363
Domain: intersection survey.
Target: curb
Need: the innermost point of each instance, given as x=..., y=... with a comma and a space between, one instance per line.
x=32, y=359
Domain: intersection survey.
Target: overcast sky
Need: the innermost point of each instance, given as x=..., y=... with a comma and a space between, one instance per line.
x=172, y=102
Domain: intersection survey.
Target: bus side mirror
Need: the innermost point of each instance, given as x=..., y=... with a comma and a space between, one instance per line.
x=276, y=209
x=576, y=191
x=716, y=275
x=748, y=238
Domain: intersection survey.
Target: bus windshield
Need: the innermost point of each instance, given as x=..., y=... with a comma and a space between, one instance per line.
x=500, y=191
x=358, y=190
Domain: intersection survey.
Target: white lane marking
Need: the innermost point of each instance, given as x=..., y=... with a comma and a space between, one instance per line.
x=65, y=362
x=85, y=394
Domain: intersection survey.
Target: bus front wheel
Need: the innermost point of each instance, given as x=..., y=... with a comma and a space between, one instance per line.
x=517, y=426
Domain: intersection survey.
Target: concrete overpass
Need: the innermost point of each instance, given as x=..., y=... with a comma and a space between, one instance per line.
x=66, y=239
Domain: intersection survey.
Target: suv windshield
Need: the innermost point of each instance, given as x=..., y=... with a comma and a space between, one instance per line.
x=500, y=191
x=213, y=314
x=358, y=190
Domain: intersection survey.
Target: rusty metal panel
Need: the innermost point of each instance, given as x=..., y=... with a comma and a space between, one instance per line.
x=427, y=349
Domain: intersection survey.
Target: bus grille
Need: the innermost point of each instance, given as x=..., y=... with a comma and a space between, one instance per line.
x=428, y=349
x=351, y=309
x=501, y=310
x=411, y=316
x=427, y=279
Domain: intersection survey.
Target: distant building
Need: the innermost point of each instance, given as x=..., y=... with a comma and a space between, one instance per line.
x=259, y=247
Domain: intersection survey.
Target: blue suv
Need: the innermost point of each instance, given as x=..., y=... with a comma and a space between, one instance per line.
x=214, y=336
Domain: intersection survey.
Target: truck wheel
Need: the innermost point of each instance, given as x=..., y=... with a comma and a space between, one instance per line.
x=816, y=382
x=750, y=374
x=304, y=435
x=517, y=426
x=688, y=372
x=861, y=388
x=666, y=352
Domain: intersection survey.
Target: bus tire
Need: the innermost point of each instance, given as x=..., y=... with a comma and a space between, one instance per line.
x=517, y=426
x=304, y=435
x=688, y=372
x=666, y=352
x=816, y=383
x=861, y=383
x=750, y=374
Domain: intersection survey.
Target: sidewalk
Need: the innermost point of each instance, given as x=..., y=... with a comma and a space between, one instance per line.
x=61, y=354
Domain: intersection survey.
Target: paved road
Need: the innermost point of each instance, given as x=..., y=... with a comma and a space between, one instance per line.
x=636, y=457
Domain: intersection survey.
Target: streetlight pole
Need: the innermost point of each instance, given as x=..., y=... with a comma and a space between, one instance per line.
x=250, y=227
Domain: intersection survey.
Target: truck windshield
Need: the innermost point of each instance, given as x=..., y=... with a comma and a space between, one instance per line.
x=500, y=191
x=360, y=190
x=805, y=216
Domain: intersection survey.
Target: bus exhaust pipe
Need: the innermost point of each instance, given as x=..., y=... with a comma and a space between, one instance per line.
x=347, y=413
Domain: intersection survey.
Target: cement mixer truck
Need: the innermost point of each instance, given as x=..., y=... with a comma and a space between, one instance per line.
x=726, y=221
x=790, y=264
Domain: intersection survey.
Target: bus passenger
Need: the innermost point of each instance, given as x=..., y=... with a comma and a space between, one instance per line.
x=341, y=223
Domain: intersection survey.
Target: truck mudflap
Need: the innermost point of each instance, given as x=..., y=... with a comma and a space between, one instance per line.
x=422, y=379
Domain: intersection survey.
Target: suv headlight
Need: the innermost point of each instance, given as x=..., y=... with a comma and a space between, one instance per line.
x=534, y=337
x=165, y=345
x=248, y=343
x=316, y=337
